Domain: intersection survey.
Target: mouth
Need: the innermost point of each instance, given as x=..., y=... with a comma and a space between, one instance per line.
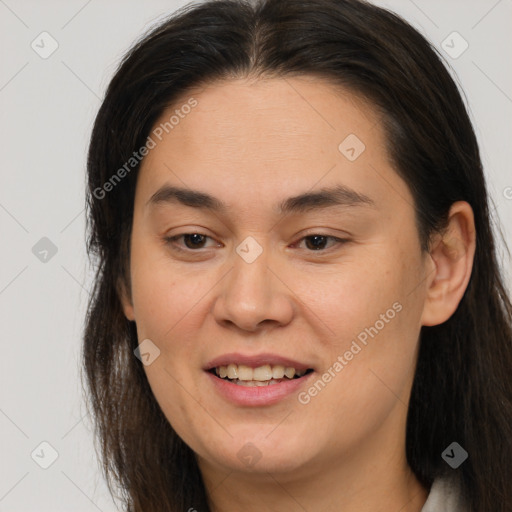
x=264, y=375
x=257, y=380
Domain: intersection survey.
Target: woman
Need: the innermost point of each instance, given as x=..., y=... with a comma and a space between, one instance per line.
x=298, y=304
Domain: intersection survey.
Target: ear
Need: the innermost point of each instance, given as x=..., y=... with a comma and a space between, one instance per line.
x=451, y=256
x=126, y=300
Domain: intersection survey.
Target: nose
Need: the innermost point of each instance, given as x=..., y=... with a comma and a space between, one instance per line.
x=254, y=295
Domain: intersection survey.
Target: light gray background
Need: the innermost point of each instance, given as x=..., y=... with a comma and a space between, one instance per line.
x=48, y=107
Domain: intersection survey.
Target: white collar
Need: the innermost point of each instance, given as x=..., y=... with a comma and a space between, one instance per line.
x=443, y=497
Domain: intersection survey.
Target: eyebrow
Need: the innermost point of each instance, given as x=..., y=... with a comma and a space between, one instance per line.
x=339, y=195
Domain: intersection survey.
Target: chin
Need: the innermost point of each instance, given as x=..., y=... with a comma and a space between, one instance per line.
x=257, y=454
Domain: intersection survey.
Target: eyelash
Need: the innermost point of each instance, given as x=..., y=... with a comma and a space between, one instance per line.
x=172, y=241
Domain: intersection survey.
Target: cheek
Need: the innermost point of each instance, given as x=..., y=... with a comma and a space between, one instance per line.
x=168, y=313
x=367, y=376
x=180, y=402
x=373, y=314
x=163, y=295
x=361, y=290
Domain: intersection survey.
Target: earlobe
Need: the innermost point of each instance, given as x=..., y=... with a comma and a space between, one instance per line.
x=452, y=254
x=128, y=311
x=126, y=301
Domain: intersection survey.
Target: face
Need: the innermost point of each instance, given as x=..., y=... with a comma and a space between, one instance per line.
x=269, y=274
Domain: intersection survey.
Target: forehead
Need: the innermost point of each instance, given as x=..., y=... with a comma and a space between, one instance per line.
x=257, y=111
x=247, y=140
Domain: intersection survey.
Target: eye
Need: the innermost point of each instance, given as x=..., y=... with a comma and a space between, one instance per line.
x=317, y=241
x=192, y=240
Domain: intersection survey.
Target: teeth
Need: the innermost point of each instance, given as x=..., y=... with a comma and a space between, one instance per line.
x=290, y=372
x=232, y=371
x=262, y=375
x=245, y=372
x=253, y=383
x=278, y=372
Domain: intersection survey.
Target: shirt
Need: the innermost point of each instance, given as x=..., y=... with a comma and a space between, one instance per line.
x=443, y=497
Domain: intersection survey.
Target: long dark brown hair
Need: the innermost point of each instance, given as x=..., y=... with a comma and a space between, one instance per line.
x=462, y=389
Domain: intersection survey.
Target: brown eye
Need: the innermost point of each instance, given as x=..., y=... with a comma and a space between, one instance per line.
x=317, y=242
x=196, y=240
x=192, y=241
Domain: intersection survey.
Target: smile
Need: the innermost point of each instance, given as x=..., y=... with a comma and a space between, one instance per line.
x=265, y=375
x=257, y=386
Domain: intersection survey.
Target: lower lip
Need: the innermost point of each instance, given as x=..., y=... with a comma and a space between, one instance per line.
x=257, y=395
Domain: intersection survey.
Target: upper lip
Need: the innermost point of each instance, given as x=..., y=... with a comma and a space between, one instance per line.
x=256, y=360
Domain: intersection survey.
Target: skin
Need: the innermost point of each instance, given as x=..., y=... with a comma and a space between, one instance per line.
x=253, y=143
